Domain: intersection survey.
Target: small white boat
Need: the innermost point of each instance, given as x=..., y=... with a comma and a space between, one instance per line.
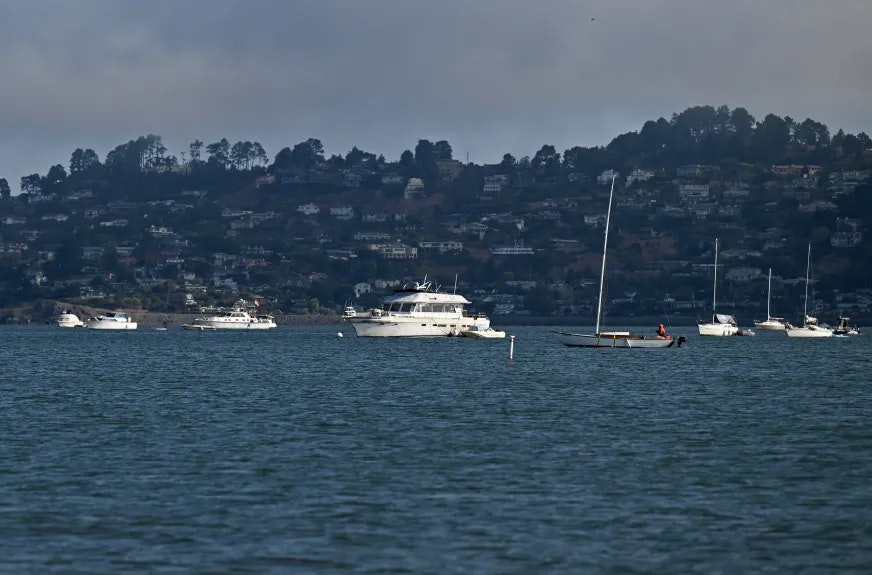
x=771, y=323
x=113, y=320
x=810, y=327
x=483, y=332
x=196, y=327
x=68, y=319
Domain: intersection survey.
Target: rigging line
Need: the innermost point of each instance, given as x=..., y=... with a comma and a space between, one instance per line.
x=665, y=313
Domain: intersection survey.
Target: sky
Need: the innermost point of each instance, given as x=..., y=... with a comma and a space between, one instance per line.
x=490, y=76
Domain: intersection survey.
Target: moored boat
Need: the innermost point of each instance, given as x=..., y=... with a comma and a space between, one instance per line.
x=771, y=323
x=843, y=328
x=810, y=327
x=68, y=319
x=114, y=320
x=236, y=318
x=483, y=333
x=621, y=339
x=721, y=324
x=417, y=310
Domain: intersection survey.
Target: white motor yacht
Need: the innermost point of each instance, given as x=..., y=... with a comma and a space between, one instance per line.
x=237, y=318
x=113, y=320
x=418, y=310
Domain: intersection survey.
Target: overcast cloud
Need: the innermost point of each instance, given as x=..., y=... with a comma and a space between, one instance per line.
x=490, y=76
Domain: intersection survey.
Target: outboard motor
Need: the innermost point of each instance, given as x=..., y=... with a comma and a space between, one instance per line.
x=681, y=339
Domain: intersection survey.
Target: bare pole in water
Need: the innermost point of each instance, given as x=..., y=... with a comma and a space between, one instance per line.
x=599, y=303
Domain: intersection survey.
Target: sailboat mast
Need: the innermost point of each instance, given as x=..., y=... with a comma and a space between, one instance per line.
x=599, y=303
x=807, y=267
x=715, y=290
x=769, y=296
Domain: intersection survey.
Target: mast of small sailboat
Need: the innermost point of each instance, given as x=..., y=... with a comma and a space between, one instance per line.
x=807, y=268
x=599, y=303
x=769, y=296
x=715, y=290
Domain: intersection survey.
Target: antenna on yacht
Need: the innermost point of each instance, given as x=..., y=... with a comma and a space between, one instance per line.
x=455, y=283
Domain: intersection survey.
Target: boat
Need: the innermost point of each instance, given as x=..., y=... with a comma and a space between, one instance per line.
x=810, y=326
x=483, y=333
x=195, y=327
x=349, y=312
x=68, y=319
x=236, y=318
x=721, y=324
x=418, y=310
x=771, y=323
x=621, y=339
x=843, y=328
x=113, y=320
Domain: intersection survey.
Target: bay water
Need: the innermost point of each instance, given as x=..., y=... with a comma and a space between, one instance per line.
x=295, y=450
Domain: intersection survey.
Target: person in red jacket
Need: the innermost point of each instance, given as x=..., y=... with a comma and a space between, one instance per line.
x=661, y=332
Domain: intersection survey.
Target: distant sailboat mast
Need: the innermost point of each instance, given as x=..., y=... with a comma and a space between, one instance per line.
x=805, y=305
x=599, y=304
x=715, y=290
x=769, y=296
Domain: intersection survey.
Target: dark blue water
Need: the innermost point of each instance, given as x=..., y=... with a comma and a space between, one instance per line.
x=298, y=451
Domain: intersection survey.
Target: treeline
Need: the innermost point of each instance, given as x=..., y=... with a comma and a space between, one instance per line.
x=700, y=134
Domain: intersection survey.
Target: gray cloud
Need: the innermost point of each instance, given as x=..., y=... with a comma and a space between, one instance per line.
x=491, y=76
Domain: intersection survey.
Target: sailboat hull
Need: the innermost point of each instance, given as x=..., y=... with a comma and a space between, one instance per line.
x=618, y=340
x=717, y=329
x=809, y=331
x=770, y=325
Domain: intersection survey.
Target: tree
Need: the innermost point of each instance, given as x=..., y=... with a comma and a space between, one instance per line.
x=259, y=154
x=219, y=153
x=508, y=165
x=241, y=155
x=282, y=160
x=424, y=157
x=195, y=150
x=306, y=155
x=546, y=161
x=31, y=184
x=5, y=191
x=56, y=174
x=771, y=138
x=83, y=160
x=442, y=150
x=407, y=158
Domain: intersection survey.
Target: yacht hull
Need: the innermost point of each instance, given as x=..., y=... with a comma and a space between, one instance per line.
x=111, y=326
x=420, y=326
x=218, y=325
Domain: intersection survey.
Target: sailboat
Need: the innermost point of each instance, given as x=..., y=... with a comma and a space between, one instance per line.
x=721, y=324
x=621, y=339
x=810, y=327
x=771, y=323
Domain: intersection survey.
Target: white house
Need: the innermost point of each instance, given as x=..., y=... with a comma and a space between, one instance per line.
x=361, y=288
x=606, y=176
x=414, y=189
